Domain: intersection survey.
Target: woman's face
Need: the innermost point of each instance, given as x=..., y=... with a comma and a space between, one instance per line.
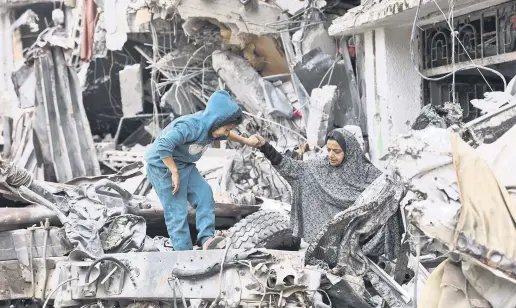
x=335, y=153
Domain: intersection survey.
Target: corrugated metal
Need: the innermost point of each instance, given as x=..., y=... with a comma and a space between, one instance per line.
x=62, y=135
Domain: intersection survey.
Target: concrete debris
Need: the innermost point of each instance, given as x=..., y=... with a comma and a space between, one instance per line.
x=241, y=79
x=29, y=18
x=292, y=7
x=435, y=165
x=318, y=37
x=97, y=81
x=320, y=120
x=131, y=89
x=240, y=16
x=317, y=68
x=115, y=23
x=492, y=101
x=277, y=102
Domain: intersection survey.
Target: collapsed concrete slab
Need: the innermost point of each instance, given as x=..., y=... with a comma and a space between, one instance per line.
x=318, y=37
x=241, y=79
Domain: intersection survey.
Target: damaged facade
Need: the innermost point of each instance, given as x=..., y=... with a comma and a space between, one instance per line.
x=383, y=32
x=88, y=85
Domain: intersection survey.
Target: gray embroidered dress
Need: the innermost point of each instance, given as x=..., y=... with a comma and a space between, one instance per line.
x=319, y=190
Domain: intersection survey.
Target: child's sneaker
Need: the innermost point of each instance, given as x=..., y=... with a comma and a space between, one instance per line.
x=214, y=242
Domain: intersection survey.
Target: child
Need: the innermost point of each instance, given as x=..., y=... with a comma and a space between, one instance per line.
x=172, y=172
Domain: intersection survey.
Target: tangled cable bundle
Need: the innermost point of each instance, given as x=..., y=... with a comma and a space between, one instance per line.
x=16, y=176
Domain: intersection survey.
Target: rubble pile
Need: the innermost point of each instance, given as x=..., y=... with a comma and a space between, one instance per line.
x=451, y=189
x=96, y=88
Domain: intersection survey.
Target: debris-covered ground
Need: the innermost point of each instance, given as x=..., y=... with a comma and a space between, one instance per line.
x=97, y=81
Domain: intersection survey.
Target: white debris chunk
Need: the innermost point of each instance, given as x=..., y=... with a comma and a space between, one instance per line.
x=233, y=14
x=131, y=90
x=492, y=101
x=318, y=37
x=242, y=79
x=321, y=114
x=116, y=24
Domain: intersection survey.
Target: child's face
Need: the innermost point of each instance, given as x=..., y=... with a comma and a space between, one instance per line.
x=223, y=131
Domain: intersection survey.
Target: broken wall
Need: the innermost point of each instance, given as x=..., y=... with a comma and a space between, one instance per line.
x=393, y=91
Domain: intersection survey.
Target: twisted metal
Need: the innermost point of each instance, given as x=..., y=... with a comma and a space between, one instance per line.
x=15, y=175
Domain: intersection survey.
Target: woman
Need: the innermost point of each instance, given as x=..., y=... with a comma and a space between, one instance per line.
x=321, y=188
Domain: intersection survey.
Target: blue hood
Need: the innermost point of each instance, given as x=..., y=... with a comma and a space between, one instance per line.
x=220, y=110
x=186, y=138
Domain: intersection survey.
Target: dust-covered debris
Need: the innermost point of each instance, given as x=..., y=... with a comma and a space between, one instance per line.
x=97, y=82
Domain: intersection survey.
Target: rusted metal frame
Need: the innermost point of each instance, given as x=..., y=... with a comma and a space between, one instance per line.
x=151, y=272
x=490, y=257
x=154, y=269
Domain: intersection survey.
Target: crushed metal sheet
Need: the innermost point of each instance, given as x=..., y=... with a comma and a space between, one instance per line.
x=63, y=141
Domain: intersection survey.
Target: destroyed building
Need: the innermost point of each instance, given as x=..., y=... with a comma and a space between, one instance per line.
x=87, y=86
x=395, y=92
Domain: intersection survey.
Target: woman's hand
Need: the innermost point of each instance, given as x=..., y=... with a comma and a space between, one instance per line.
x=255, y=141
x=175, y=182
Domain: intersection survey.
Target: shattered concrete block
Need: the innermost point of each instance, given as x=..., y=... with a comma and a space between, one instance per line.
x=321, y=114
x=288, y=89
x=242, y=79
x=318, y=37
x=131, y=89
x=116, y=24
x=277, y=101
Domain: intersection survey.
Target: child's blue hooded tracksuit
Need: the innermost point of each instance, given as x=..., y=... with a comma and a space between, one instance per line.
x=186, y=139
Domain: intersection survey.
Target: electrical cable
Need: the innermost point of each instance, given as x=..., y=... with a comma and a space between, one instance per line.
x=228, y=244
x=467, y=53
x=55, y=290
x=416, y=68
x=17, y=176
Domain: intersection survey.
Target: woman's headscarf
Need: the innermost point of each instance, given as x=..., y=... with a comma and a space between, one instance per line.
x=343, y=184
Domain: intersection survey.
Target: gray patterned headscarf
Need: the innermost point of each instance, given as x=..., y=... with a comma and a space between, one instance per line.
x=343, y=184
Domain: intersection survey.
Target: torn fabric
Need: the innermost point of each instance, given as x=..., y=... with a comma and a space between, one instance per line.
x=372, y=222
x=124, y=233
x=488, y=214
x=88, y=29
x=447, y=287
